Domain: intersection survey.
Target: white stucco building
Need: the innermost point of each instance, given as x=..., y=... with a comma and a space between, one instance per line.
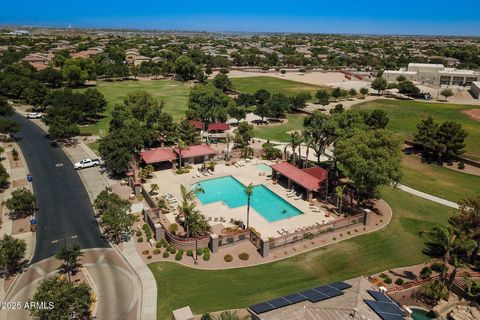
x=434, y=75
x=475, y=90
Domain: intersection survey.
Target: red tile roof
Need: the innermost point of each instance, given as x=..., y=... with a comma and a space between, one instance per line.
x=218, y=126
x=157, y=155
x=317, y=172
x=197, y=124
x=300, y=177
x=196, y=151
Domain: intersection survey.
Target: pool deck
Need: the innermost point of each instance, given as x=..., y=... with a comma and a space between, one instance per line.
x=170, y=182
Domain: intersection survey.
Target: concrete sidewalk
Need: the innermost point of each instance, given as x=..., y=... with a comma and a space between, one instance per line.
x=427, y=196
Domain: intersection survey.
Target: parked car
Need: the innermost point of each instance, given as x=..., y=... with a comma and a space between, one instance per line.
x=34, y=115
x=86, y=163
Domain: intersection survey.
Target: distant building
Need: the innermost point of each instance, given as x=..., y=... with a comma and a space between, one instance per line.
x=434, y=74
x=475, y=90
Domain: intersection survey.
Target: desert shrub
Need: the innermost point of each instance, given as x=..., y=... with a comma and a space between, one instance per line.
x=173, y=250
x=199, y=252
x=399, y=281
x=169, y=247
x=189, y=253
x=425, y=273
x=437, y=266
x=383, y=276
x=166, y=254
x=228, y=258
x=140, y=239
x=138, y=233
x=179, y=256
x=145, y=252
x=387, y=280
x=158, y=244
x=206, y=254
x=156, y=251
x=243, y=256
x=149, y=257
x=15, y=155
x=173, y=228
x=461, y=165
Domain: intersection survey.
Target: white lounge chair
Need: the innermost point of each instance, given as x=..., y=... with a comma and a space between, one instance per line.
x=210, y=171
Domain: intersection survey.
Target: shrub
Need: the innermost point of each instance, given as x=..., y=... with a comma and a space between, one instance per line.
x=199, y=252
x=243, y=256
x=158, y=245
x=206, y=254
x=149, y=257
x=178, y=256
x=169, y=247
x=437, y=267
x=156, y=251
x=173, y=250
x=383, y=276
x=189, y=253
x=206, y=316
x=138, y=233
x=461, y=165
x=145, y=226
x=425, y=273
x=228, y=258
x=145, y=252
x=15, y=154
x=387, y=280
x=140, y=239
x=166, y=254
x=173, y=228
x=334, y=238
x=399, y=281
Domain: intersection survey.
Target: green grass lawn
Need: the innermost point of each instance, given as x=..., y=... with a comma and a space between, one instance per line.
x=174, y=93
x=204, y=291
x=404, y=116
x=272, y=84
x=437, y=180
x=280, y=132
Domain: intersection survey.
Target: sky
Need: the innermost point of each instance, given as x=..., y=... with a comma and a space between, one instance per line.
x=416, y=17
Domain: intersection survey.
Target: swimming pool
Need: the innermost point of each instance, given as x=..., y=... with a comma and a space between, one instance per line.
x=264, y=167
x=230, y=191
x=419, y=314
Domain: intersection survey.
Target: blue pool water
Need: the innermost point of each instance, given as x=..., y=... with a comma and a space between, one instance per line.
x=263, y=167
x=230, y=191
x=418, y=314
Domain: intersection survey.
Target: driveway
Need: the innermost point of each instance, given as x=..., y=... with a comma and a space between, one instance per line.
x=64, y=208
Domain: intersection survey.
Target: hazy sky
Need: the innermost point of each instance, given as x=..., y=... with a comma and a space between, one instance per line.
x=347, y=16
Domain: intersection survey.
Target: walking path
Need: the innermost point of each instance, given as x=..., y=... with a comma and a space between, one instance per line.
x=427, y=196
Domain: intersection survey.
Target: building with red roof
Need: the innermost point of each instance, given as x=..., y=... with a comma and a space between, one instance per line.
x=157, y=155
x=218, y=127
x=197, y=124
x=168, y=157
x=311, y=179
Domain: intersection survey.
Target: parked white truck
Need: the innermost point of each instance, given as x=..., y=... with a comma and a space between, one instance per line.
x=86, y=163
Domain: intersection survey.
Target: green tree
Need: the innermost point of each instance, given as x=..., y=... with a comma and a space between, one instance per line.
x=237, y=112
x=140, y=103
x=187, y=133
x=5, y=108
x=408, y=88
x=379, y=84
x=114, y=215
x=61, y=128
x=69, y=257
x=370, y=159
x=185, y=68
x=401, y=79
x=352, y=92
x=296, y=140
x=12, y=255
x=323, y=97
x=243, y=134
x=8, y=126
x=426, y=134
x=118, y=147
x=51, y=77
x=245, y=100
x=278, y=105
x=4, y=176
x=299, y=101
x=336, y=93
x=74, y=75
x=208, y=104
x=222, y=82
x=363, y=91
x=450, y=139
x=447, y=93
x=261, y=96
x=96, y=102
x=248, y=192
x=321, y=129
x=68, y=299
x=377, y=119
x=21, y=204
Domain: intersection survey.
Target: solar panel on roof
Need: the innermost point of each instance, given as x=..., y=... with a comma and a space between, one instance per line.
x=279, y=302
x=329, y=291
x=262, y=307
x=340, y=285
x=295, y=298
x=314, y=296
x=384, y=307
x=379, y=296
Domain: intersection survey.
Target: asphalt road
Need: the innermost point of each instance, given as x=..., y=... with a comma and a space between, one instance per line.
x=64, y=208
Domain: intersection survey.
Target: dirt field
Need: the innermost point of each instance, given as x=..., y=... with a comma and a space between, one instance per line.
x=473, y=113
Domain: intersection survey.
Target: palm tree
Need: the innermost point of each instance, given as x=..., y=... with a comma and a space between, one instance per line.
x=307, y=138
x=248, y=192
x=181, y=145
x=295, y=141
x=193, y=221
x=69, y=257
x=230, y=315
x=229, y=138
x=339, y=192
